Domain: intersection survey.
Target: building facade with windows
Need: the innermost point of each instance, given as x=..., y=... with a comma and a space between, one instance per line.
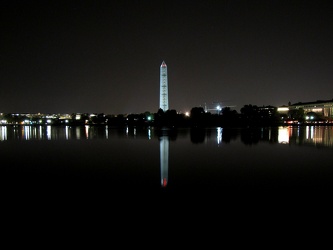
x=321, y=109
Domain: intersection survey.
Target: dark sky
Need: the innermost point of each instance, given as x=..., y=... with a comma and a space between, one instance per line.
x=105, y=56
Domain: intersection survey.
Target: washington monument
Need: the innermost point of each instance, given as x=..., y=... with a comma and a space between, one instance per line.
x=164, y=97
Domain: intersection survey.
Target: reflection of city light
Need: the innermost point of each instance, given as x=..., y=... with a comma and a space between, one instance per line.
x=27, y=132
x=78, y=133
x=106, y=132
x=149, y=133
x=283, y=136
x=219, y=135
x=3, y=134
x=48, y=132
x=309, y=132
x=87, y=131
x=34, y=132
x=66, y=132
x=40, y=132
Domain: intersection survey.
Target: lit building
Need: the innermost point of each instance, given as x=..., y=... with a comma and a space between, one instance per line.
x=321, y=108
x=164, y=97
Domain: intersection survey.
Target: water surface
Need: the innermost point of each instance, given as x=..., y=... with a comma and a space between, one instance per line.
x=100, y=164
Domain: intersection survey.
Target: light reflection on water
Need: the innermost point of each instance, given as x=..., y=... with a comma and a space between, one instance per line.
x=130, y=162
x=309, y=135
x=164, y=159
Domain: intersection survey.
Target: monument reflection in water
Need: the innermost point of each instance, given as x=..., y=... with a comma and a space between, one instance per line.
x=307, y=135
x=212, y=159
x=164, y=159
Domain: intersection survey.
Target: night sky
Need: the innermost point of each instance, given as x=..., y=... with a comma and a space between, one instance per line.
x=105, y=56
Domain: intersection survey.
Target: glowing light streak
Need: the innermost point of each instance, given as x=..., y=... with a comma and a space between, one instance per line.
x=219, y=135
x=149, y=134
x=3, y=134
x=27, y=132
x=48, y=132
x=86, y=128
x=106, y=132
x=66, y=132
x=283, y=135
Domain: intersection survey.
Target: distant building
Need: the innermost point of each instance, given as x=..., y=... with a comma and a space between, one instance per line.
x=321, y=108
x=267, y=111
x=164, y=96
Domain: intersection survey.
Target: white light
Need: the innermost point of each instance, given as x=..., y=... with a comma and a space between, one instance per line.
x=219, y=135
x=3, y=133
x=282, y=109
x=149, y=133
x=48, y=132
x=283, y=136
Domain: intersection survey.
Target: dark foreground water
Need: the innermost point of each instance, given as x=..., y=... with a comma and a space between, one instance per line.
x=97, y=171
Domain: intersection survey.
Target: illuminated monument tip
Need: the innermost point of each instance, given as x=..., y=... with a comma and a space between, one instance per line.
x=164, y=97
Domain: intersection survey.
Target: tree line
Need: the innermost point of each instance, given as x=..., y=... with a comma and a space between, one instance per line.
x=250, y=115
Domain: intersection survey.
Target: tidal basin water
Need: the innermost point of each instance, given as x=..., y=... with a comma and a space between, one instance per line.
x=87, y=176
x=166, y=162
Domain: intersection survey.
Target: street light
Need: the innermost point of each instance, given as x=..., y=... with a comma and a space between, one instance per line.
x=218, y=108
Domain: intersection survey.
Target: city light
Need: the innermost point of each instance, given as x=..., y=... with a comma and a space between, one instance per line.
x=281, y=109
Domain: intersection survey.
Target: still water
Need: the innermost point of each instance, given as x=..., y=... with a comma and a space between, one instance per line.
x=213, y=161
x=189, y=177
